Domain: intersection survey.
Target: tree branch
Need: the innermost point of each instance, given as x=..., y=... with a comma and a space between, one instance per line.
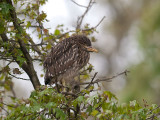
x=20, y=31
x=96, y=25
x=34, y=46
x=79, y=4
x=24, y=65
x=99, y=80
x=91, y=80
x=29, y=68
x=17, y=77
x=4, y=110
x=80, y=19
x=154, y=115
x=69, y=93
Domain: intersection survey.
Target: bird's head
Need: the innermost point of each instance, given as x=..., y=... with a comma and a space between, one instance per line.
x=85, y=43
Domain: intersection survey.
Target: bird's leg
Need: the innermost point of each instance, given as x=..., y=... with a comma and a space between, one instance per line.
x=64, y=86
x=75, y=87
x=79, y=77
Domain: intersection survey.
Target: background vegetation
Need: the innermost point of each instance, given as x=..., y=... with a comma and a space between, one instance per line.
x=138, y=20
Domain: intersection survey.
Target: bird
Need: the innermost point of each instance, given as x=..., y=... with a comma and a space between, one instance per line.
x=65, y=60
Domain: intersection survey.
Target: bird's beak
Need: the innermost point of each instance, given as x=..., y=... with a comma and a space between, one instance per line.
x=90, y=49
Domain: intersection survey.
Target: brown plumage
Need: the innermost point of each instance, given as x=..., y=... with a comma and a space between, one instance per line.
x=66, y=59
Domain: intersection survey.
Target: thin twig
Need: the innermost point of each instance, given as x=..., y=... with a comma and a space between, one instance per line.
x=33, y=45
x=79, y=4
x=99, y=80
x=12, y=90
x=8, y=105
x=24, y=25
x=91, y=80
x=80, y=19
x=153, y=116
x=96, y=25
x=5, y=110
x=153, y=109
x=40, y=44
x=69, y=93
x=100, y=21
x=17, y=77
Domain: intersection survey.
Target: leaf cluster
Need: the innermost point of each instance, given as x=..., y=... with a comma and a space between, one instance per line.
x=47, y=103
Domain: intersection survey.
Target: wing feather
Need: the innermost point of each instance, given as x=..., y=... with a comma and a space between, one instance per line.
x=60, y=59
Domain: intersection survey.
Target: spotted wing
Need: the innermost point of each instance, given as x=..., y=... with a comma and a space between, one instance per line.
x=60, y=59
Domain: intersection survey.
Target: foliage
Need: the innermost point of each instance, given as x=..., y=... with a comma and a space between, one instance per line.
x=16, y=46
x=47, y=104
x=147, y=83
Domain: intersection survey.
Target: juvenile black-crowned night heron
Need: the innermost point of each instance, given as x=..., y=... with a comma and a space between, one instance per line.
x=66, y=59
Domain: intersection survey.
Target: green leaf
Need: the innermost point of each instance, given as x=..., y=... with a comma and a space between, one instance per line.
x=86, y=76
x=15, y=1
x=80, y=99
x=1, y=77
x=35, y=108
x=42, y=16
x=48, y=46
x=108, y=111
x=60, y=114
x=21, y=60
x=5, y=8
x=28, y=24
x=89, y=109
x=105, y=105
x=110, y=95
x=2, y=28
x=95, y=112
x=50, y=105
x=57, y=32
